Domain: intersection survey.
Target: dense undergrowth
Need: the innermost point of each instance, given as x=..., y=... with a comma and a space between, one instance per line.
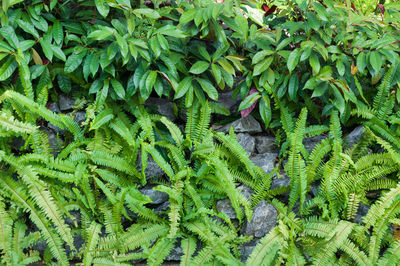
x=302, y=68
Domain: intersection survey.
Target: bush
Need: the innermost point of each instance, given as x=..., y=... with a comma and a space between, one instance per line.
x=329, y=59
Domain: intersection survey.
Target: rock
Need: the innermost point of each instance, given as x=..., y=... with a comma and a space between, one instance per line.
x=56, y=129
x=80, y=117
x=153, y=171
x=263, y=220
x=247, y=142
x=55, y=143
x=163, y=107
x=54, y=107
x=314, y=189
x=361, y=212
x=266, y=144
x=311, y=142
x=163, y=207
x=247, y=248
x=265, y=161
x=354, y=136
x=66, y=103
x=17, y=143
x=225, y=204
x=156, y=196
x=226, y=207
x=247, y=124
x=176, y=253
x=225, y=99
x=246, y=191
x=78, y=243
x=280, y=182
x=76, y=219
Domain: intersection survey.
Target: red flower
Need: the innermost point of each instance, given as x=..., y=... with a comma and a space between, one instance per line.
x=382, y=8
x=247, y=111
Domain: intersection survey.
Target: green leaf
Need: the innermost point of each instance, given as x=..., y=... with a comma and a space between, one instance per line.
x=58, y=53
x=208, y=88
x=340, y=67
x=216, y=72
x=314, y=63
x=204, y=53
x=57, y=32
x=263, y=65
x=28, y=27
x=293, y=60
x=94, y=64
x=183, y=87
x=375, y=59
x=187, y=16
x=227, y=66
x=101, y=34
x=172, y=31
x=7, y=68
x=265, y=110
x=361, y=62
x=123, y=45
x=64, y=83
x=293, y=87
x=102, y=7
x=96, y=86
x=47, y=50
x=199, y=67
x=150, y=13
x=260, y=56
x=150, y=80
x=130, y=87
x=252, y=98
x=73, y=62
x=118, y=88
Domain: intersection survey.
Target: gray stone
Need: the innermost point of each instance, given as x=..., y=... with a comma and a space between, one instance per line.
x=17, y=143
x=176, y=253
x=247, y=124
x=311, y=142
x=163, y=207
x=163, y=107
x=247, y=248
x=354, y=136
x=66, y=103
x=80, y=117
x=156, y=196
x=263, y=220
x=75, y=220
x=247, y=142
x=225, y=204
x=280, y=182
x=55, y=143
x=78, y=243
x=266, y=144
x=56, y=129
x=153, y=170
x=265, y=161
x=246, y=191
x=53, y=107
x=361, y=212
x=225, y=99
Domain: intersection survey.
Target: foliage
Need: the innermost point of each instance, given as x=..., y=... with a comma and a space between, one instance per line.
x=330, y=59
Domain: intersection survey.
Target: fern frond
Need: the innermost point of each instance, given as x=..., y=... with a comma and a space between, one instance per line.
x=52, y=239
x=92, y=238
x=160, y=250
x=10, y=124
x=265, y=251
